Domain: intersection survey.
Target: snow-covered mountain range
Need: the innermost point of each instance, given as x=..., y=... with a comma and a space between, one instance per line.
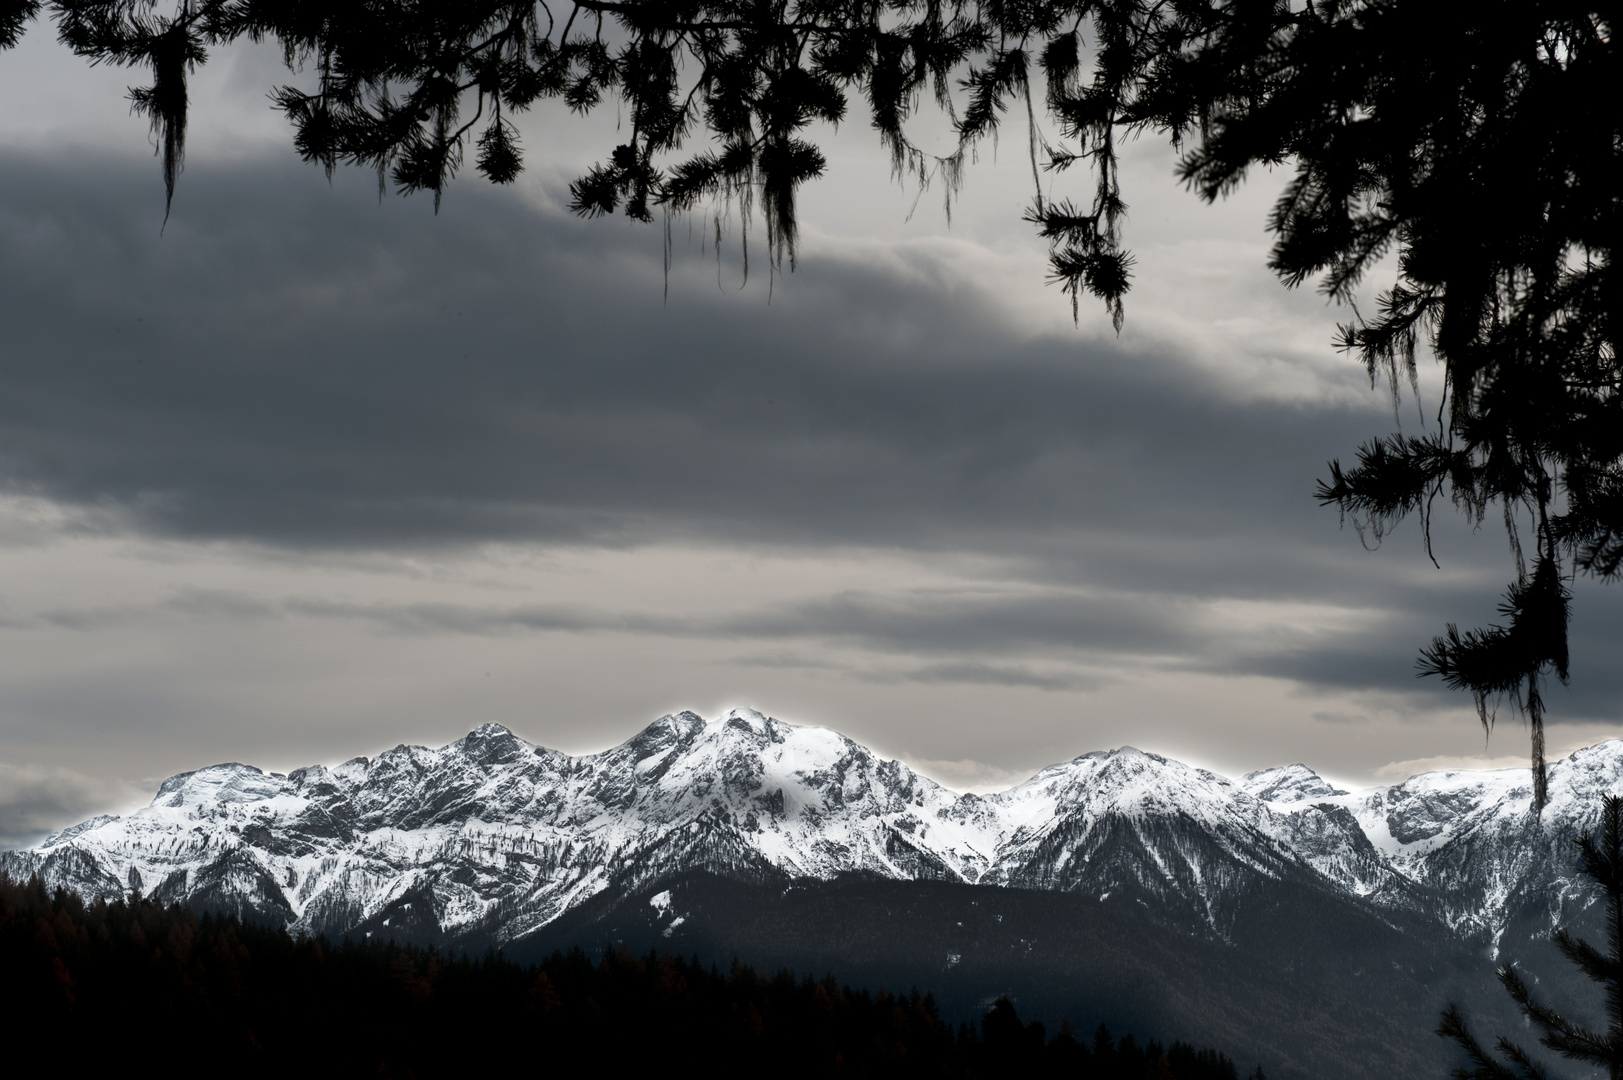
x=493, y=837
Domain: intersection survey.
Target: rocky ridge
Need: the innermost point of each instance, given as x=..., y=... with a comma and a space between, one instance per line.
x=490, y=836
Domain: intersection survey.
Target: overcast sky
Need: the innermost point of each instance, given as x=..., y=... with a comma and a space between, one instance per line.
x=303, y=476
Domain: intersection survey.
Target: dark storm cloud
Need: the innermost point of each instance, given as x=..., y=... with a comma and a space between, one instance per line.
x=299, y=366
x=303, y=367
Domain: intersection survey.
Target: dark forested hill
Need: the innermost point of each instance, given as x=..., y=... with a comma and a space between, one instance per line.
x=137, y=988
x=1308, y=984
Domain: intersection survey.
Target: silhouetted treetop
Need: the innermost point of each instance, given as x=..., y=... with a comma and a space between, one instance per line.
x=1473, y=145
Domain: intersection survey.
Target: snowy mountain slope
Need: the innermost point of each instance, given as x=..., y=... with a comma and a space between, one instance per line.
x=491, y=827
x=492, y=836
x=1183, y=839
x=1470, y=839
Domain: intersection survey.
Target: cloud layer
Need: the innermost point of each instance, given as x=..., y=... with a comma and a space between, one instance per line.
x=293, y=380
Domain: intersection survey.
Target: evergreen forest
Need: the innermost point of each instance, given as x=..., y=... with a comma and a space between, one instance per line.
x=135, y=987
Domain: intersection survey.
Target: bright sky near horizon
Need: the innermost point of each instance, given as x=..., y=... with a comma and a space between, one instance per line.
x=304, y=474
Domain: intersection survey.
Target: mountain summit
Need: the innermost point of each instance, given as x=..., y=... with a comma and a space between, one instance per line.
x=495, y=838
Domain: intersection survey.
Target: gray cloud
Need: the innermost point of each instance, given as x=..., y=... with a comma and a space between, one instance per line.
x=965, y=635
x=303, y=370
x=35, y=800
x=285, y=365
x=977, y=674
x=296, y=366
x=931, y=621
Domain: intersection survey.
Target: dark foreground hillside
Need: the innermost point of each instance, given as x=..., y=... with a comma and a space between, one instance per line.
x=1311, y=986
x=137, y=988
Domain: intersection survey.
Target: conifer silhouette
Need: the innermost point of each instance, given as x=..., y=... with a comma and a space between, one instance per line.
x=1601, y=860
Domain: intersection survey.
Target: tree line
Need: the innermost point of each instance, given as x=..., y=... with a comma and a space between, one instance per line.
x=135, y=986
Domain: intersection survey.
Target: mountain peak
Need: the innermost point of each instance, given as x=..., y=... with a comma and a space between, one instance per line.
x=230, y=782
x=509, y=836
x=750, y=718
x=1287, y=784
x=492, y=744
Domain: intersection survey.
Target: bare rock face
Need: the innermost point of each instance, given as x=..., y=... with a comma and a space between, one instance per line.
x=494, y=838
